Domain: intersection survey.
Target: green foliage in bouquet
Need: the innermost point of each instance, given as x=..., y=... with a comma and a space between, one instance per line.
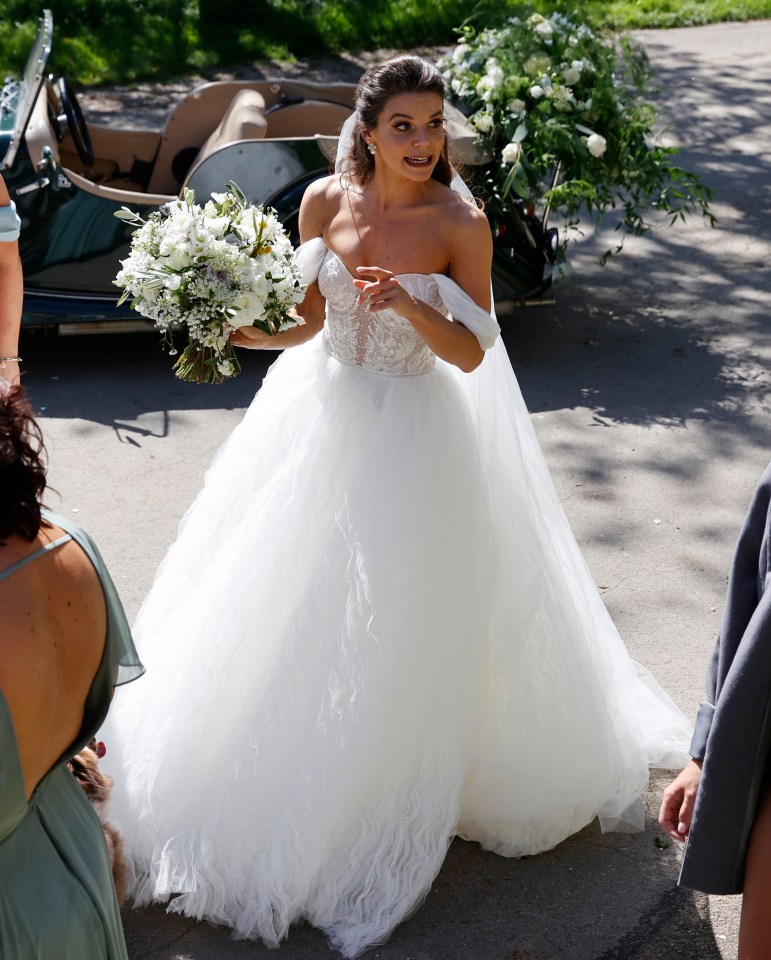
x=560, y=111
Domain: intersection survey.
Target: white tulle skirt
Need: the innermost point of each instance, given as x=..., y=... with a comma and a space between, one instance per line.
x=374, y=632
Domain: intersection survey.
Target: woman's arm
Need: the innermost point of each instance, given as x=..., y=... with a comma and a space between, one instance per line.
x=470, y=246
x=11, y=298
x=313, y=214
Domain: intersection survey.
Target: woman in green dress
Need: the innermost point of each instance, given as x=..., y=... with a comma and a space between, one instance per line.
x=64, y=644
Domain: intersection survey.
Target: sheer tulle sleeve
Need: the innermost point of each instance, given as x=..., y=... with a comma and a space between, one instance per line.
x=309, y=256
x=484, y=326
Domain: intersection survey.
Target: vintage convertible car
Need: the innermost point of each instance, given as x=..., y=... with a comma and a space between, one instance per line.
x=68, y=177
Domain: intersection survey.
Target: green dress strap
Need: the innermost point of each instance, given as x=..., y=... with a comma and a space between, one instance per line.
x=33, y=556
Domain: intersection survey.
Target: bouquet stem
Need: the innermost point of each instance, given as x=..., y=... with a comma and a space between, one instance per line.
x=199, y=364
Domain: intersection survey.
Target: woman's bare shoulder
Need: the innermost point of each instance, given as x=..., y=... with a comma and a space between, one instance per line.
x=320, y=202
x=59, y=590
x=465, y=224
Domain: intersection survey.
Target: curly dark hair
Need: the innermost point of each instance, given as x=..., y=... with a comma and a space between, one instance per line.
x=404, y=74
x=22, y=467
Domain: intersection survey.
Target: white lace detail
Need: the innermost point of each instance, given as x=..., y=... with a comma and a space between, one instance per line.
x=382, y=342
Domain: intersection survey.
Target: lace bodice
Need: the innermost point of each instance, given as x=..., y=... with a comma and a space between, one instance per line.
x=383, y=342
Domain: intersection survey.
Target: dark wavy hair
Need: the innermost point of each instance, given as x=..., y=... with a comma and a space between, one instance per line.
x=22, y=467
x=405, y=74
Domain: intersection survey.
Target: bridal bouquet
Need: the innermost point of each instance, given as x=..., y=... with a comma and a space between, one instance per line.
x=210, y=269
x=560, y=109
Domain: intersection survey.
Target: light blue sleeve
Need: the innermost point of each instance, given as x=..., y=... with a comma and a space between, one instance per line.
x=10, y=225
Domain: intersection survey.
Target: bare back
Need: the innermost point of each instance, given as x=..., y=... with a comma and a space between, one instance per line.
x=54, y=625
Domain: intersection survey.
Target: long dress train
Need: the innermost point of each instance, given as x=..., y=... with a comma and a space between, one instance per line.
x=374, y=631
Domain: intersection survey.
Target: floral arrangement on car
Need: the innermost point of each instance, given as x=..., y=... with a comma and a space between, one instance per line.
x=560, y=110
x=209, y=270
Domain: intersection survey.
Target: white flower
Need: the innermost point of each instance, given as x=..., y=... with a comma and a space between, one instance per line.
x=536, y=91
x=483, y=122
x=572, y=74
x=511, y=153
x=516, y=106
x=545, y=30
x=248, y=307
x=460, y=52
x=226, y=368
x=173, y=282
x=564, y=99
x=596, y=144
x=217, y=225
x=495, y=74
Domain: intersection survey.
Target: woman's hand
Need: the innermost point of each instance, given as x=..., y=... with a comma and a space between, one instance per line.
x=450, y=341
x=679, y=800
x=384, y=292
x=251, y=338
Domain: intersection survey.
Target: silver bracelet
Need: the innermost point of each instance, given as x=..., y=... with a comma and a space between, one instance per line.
x=4, y=360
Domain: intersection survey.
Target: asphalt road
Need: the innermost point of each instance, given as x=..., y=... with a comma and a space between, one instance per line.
x=649, y=388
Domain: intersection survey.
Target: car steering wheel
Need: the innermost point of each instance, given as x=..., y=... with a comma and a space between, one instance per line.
x=76, y=122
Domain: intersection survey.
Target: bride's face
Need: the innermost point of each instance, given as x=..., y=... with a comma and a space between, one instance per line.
x=409, y=135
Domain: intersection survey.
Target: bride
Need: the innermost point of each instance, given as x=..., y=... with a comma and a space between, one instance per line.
x=375, y=630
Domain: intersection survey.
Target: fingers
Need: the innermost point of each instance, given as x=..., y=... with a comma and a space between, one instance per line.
x=380, y=294
x=246, y=337
x=669, y=814
x=678, y=802
x=378, y=273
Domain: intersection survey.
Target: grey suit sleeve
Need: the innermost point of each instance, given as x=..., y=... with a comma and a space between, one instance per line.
x=745, y=587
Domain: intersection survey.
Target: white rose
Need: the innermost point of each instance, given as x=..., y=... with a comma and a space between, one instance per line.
x=596, y=144
x=484, y=88
x=247, y=308
x=495, y=75
x=516, y=106
x=217, y=225
x=483, y=122
x=536, y=91
x=564, y=99
x=572, y=74
x=511, y=153
x=260, y=285
x=460, y=52
x=178, y=259
x=172, y=282
x=544, y=29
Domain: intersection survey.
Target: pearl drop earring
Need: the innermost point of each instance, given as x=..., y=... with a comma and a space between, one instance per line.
x=372, y=148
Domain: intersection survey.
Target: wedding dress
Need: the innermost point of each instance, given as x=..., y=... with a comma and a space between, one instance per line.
x=375, y=631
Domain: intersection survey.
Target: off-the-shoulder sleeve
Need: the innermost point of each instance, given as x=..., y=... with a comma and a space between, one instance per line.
x=10, y=225
x=463, y=309
x=309, y=256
